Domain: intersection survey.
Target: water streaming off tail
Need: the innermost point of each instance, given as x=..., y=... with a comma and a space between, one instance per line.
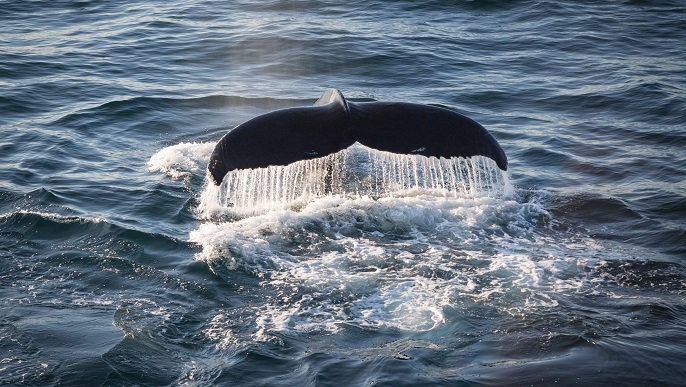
x=357, y=171
x=391, y=173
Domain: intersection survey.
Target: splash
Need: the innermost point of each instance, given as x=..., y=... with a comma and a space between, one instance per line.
x=358, y=171
x=399, y=263
x=181, y=160
x=370, y=239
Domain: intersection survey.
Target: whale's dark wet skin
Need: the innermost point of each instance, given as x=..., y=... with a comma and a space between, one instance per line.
x=285, y=136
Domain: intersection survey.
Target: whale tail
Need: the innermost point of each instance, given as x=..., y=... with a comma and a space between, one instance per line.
x=285, y=136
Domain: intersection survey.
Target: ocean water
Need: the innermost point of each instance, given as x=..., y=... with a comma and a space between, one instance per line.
x=121, y=266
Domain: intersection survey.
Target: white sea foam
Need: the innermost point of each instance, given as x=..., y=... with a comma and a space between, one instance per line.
x=373, y=239
x=181, y=160
x=393, y=262
x=54, y=216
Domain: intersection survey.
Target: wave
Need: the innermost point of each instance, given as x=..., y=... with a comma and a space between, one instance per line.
x=613, y=219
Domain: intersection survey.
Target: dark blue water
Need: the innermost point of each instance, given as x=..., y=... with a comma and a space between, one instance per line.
x=118, y=268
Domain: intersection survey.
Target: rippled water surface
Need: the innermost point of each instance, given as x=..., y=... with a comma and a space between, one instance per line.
x=120, y=265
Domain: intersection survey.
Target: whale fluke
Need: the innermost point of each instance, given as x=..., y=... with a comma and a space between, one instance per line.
x=285, y=136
